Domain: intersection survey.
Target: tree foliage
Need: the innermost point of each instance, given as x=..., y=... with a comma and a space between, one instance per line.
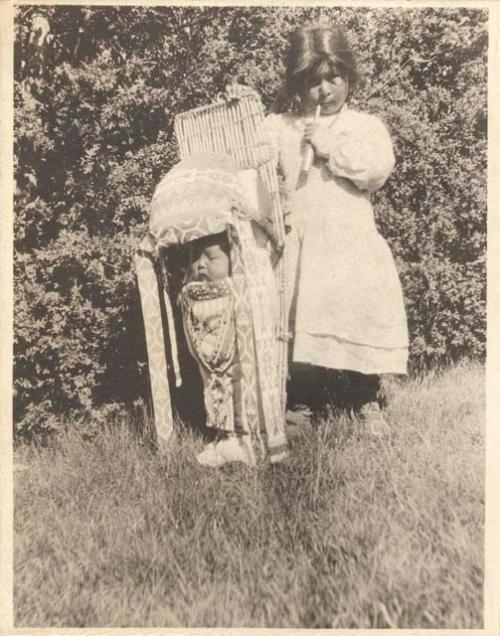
x=94, y=110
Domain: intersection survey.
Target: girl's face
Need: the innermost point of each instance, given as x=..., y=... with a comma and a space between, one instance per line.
x=208, y=260
x=327, y=89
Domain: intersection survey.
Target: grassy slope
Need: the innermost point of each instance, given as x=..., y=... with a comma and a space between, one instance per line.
x=349, y=533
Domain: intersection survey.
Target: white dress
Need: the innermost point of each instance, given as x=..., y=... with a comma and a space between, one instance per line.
x=347, y=309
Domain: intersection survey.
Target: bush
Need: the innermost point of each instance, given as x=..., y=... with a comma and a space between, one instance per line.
x=94, y=115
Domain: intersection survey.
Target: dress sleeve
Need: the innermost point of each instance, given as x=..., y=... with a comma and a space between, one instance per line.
x=359, y=150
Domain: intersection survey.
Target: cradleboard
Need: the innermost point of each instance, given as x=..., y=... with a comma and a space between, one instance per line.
x=234, y=130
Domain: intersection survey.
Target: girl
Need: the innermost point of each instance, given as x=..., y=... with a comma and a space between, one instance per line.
x=346, y=305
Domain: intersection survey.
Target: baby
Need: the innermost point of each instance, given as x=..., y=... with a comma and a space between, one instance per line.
x=208, y=315
x=209, y=258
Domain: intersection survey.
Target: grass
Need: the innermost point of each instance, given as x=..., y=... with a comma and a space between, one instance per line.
x=349, y=533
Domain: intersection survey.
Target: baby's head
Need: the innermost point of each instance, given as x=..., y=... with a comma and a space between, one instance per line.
x=209, y=258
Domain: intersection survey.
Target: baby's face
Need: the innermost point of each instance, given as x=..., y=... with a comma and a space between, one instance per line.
x=208, y=261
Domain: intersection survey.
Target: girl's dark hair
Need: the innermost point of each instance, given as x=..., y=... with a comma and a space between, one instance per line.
x=314, y=50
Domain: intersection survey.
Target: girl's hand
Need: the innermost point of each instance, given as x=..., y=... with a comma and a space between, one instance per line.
x=317, y=135
x=309, y=132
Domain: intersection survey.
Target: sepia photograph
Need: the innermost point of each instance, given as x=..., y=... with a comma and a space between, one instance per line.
x=249, y=315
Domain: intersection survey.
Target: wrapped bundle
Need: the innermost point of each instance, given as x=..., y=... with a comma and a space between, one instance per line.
x=230, y=324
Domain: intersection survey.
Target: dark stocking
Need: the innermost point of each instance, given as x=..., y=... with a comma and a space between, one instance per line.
x=317, y=388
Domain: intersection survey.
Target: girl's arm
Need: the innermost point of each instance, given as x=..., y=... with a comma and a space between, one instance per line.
x=357, y=148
